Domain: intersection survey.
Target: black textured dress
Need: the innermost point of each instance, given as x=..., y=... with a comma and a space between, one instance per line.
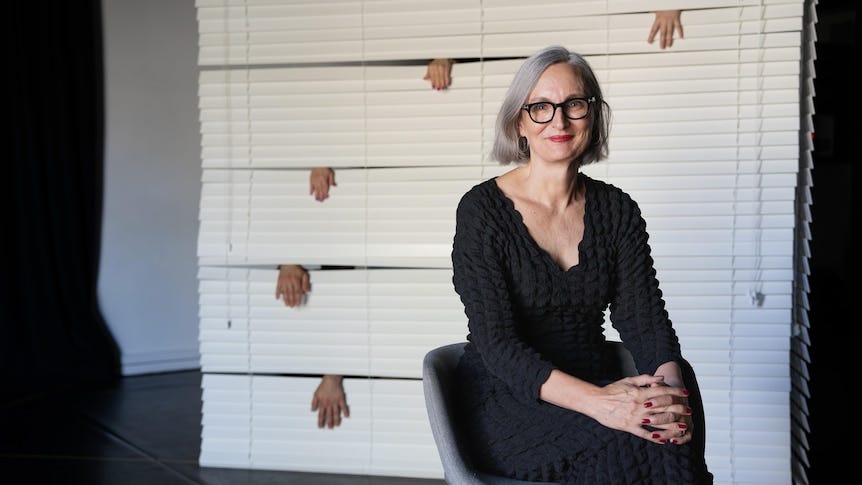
x=528, y=316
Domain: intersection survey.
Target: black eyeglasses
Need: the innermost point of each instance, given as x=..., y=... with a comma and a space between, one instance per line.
x=573, y=109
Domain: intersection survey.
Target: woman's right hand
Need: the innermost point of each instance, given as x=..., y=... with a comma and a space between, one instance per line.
x=644, y=407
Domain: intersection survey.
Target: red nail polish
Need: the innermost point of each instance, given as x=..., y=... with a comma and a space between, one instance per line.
x=683, y=426
x=662, y=441
x=688, y=410
x=685, y=392
x=648, y=404
x=655, y=435
x=645, y=420
x=674, y=442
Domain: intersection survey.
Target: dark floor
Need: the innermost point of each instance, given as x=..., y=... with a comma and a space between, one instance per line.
x=146, y=430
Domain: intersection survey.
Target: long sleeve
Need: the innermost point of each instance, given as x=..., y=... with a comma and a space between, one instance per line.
x=480, y=280
x=638, y=308
x=527, y=317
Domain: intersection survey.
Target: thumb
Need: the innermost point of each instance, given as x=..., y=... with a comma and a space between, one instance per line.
x=646, y=379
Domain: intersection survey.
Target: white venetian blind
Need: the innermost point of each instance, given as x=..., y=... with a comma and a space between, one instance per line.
x=262, y=421
x=706, y=137
x=378, y=322
x=801, y=340
x=261, y=32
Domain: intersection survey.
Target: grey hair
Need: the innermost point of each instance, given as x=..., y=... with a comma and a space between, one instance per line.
x=509, y=148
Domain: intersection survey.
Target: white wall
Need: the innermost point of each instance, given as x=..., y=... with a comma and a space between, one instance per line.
x=147, y=284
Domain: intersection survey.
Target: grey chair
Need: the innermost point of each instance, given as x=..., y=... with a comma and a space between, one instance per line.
x=438, y=370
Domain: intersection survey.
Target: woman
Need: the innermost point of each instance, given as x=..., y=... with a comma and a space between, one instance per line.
x=539, y=253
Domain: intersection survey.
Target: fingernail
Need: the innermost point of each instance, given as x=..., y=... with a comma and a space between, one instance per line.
x=655, y=435
x=685, y=392
x=688, y=410
x=645, y=420
x=662, y=441
x=683, y=426
x=648, y=404
x=674, y=442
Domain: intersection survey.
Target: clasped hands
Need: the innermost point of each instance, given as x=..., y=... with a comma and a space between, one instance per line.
x=647, y=407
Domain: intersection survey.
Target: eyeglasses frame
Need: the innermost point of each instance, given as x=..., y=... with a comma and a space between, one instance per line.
x=528, y=106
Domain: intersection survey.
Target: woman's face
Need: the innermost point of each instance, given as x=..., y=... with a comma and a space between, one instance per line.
x=561, y=139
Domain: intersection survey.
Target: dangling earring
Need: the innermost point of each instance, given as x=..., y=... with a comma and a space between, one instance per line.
x=524, y=145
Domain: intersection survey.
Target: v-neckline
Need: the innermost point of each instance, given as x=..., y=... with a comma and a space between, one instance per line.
x=525, y=232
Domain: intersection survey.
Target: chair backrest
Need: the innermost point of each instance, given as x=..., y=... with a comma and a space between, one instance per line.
x=438, y=381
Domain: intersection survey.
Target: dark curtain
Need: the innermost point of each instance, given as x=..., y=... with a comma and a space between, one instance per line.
x=52, y=333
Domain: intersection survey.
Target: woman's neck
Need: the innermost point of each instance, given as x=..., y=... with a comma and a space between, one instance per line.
x=546, y=184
